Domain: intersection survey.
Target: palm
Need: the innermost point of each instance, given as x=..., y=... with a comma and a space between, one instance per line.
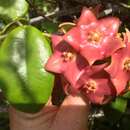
x=71, y=115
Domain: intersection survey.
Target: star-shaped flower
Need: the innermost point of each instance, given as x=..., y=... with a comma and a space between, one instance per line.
x=119, y=69
x=95, y=84
x=66, y=61
x=94, y=39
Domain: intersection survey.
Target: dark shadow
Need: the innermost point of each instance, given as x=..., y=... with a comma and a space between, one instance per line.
x=81, y=62
x=64, y=47
x=58, y=94
x=105, y=117
x=5, y=18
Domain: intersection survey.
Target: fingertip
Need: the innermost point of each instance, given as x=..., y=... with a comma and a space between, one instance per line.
x=77, y=100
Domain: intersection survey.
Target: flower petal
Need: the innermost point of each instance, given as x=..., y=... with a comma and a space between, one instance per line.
x=91, y=53
x=116, y=70
x=73, y=38
x=104, y=89
x=109, y=26
x=110, y=45
x=56, y=39
x=87, y=16
x=74, y=70
x=119, y=68
x=120, y=83
x=55, y=63
x=96, y=99
x=70, y=68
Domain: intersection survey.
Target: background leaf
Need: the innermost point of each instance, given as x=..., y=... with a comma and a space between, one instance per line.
x=119, y=104
x=12, y=9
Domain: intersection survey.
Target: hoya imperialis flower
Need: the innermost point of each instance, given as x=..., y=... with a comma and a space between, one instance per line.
x=66, y=61
x=119, y=69
x=94, y=39
x=95, y=84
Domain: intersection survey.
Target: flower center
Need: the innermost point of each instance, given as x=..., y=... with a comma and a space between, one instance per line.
x=67, y=56
x=118, y=35
x=94, y=37
x=127, y=65
x=90, y=86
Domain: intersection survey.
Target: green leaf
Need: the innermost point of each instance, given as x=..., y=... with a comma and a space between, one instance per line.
x=12, y=9
x=119, y=104
x=127, y=95
x=49, y=26
x=128, y=2
x=25, y=82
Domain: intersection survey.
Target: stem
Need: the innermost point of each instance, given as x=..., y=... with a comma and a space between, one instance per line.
x=3, y=36
x=66, y=23
x=13, y=22
x=125, y=5
x=41, y=17
x=36, y=19
x=19, y=23
x=47, y=34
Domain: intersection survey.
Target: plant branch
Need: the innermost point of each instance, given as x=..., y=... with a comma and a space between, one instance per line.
x=41, y=18
x=3, y=36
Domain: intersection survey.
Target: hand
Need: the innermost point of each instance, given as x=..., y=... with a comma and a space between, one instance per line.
x=71, y=115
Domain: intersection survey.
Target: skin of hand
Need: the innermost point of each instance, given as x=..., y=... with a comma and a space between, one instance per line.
x=72, y=114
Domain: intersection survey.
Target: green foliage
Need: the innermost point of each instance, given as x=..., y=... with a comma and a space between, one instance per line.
x=45, y=5
x=127, y=95
x=128, y=2
x=23, y=79
x=49, y=26
x=119, y=104
x=12, y=9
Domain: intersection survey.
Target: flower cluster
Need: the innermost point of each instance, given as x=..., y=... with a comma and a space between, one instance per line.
x=93, y=57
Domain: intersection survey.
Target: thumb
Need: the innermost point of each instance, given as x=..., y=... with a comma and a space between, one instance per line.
x=72, y=114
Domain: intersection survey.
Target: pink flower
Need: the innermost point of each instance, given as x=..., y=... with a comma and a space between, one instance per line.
x=95, y=85
x=56, y=39
x=77, y=51
x=119, y=69
x=94, y=39
x=66, y=61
